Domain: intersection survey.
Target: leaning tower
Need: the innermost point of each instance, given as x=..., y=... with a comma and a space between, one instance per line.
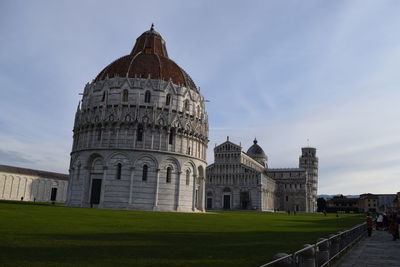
x=140, y=135
x=309, y=161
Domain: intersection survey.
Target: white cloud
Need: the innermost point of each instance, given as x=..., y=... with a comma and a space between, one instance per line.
x=46, y=154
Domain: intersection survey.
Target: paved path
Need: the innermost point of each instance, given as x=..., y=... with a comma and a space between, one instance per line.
x=376, y=251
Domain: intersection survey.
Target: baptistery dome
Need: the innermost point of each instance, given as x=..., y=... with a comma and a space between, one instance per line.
x=140, y=135
x=149, y=58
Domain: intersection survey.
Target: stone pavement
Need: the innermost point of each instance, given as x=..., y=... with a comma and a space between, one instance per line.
x=376, y=251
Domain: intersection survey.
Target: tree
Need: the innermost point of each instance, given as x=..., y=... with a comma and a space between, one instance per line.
x=321, y=204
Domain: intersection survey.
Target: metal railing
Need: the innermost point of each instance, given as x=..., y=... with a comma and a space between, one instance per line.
x=323, y=252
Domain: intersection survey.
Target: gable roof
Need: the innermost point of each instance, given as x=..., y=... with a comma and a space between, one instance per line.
x=43, y=174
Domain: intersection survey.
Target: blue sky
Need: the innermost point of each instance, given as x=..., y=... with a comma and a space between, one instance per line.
x=281, y=71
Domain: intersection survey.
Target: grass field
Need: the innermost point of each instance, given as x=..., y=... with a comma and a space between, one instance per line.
x=41, y=235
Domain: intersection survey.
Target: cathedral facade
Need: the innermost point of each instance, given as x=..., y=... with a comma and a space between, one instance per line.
x=140, y=135
x=243, y=181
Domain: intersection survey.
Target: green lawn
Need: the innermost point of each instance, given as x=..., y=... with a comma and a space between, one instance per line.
x=41, y=235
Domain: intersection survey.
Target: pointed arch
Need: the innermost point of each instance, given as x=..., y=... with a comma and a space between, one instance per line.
x=186, y=105
x=144, y=157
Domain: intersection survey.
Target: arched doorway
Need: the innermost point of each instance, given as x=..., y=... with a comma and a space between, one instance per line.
x=209, y=200
x=96, y=178
x=227, y=198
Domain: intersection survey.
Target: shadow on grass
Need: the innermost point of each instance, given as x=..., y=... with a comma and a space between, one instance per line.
x=154, y=248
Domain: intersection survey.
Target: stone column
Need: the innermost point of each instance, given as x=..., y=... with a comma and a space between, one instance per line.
x=144, y=136
x=152, y=138
x=169, y=146
x=70, y=183
x=4, y=186
x=102, y=136
x=194, y=193
x=131, y=185
x=182, y=135
x=88, y=135
x=117, y=137
x=18, y=188
x=159, y=140
x=103, y=183
x=203, y=194
x=177, y=191
x=85, y=180
x=134, y=136
x=109, y=132
x=174, y=140
x=26, y=187
x=155, y=206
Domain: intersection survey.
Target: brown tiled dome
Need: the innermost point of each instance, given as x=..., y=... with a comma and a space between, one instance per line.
x=149, y=57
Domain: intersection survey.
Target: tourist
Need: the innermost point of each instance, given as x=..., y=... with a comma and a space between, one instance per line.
x=394, y=227
x=385, y=222
x=379, y=222
x=369, y=225
x=398, y=225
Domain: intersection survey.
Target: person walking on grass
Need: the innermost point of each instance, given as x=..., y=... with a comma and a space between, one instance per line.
x=370, y=224
x=394, y=227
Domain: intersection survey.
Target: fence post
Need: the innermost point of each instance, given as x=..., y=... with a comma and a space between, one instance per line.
x=341, y=239
x=323, y=251
x=307, y=257
x=334, y=245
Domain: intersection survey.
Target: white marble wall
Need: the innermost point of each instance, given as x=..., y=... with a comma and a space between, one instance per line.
x=270, y=189
x=15, y=186
x=106, y=133
x=131, y=191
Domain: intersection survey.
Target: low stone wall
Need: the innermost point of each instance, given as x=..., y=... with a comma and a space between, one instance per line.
x=321, y=253
x=15, y=186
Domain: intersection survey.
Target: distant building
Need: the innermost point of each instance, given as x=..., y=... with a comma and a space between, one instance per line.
x=32, y=185
x=396, y=202
x=368, y=203
x=364, y=203
x=243, y=181
x=342, y=204
x=385, y=202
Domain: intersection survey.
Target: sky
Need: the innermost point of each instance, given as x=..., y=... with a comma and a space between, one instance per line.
x=290, y=73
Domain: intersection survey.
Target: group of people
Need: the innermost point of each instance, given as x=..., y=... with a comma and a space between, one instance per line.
x=386, y=222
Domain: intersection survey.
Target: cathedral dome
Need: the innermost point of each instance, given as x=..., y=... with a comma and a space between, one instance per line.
x=148, y=59
x=257, y=153
x=256, y=150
